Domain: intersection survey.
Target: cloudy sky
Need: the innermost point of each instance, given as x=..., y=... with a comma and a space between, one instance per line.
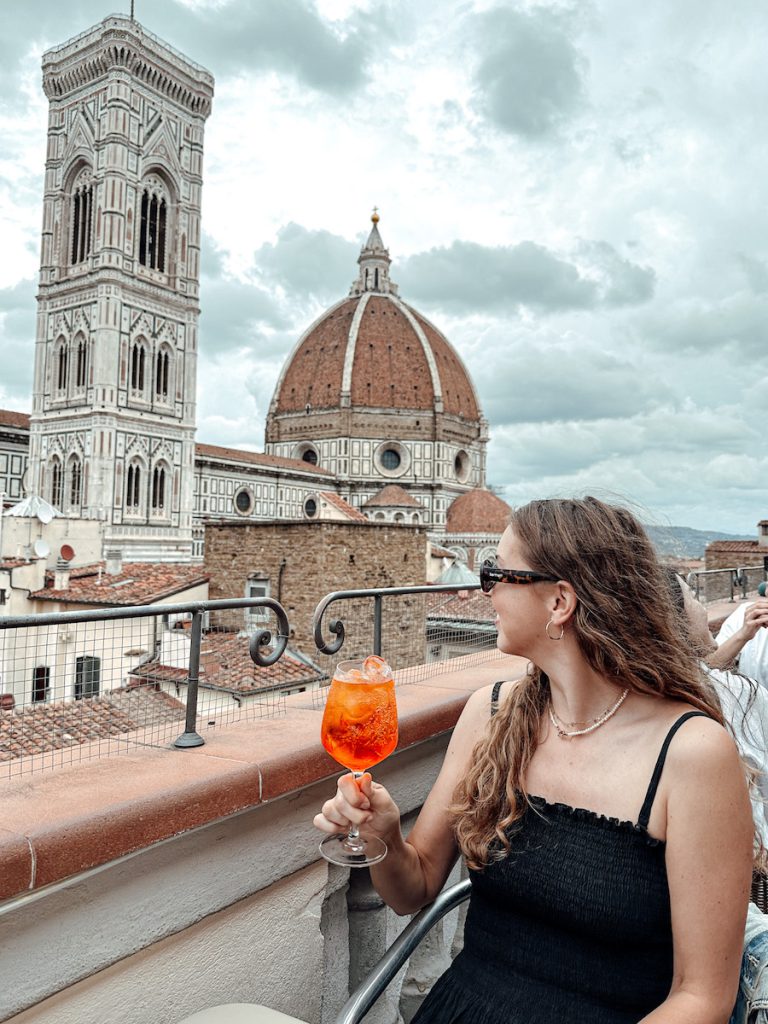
x=574, y=192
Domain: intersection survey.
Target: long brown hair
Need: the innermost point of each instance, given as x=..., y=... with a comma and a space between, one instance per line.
x=627, y=630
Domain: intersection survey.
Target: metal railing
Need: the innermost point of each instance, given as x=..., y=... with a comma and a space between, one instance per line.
x=87, y=674
x=717, y=584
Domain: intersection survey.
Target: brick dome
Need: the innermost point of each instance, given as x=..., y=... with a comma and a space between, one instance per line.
x=372, y=351
x=478, y=511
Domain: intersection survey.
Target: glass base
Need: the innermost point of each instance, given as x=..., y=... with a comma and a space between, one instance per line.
x=353, y=851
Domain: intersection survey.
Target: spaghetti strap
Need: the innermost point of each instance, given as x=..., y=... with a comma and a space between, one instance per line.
x=495, y=696
x=645, y=811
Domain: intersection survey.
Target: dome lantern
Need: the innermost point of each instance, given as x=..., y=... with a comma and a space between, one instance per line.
x=374, y=262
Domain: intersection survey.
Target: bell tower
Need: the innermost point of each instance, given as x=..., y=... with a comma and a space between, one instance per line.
x=113, y=421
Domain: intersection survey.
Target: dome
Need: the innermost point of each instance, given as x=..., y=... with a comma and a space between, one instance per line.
x=372, y=352
x=478, y=511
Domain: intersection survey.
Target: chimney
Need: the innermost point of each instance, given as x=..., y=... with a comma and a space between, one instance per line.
x=61, y=575
x=114, y=558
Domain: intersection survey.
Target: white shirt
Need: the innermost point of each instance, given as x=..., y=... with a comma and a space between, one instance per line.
x=749, y=725
x=753, y=659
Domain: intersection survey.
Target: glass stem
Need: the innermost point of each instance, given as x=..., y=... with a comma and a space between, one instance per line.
x=353, y=841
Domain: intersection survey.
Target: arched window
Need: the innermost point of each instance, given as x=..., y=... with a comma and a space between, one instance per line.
x=138, y=366
x=61, y=368
x=82, y=216
x=158, y=489
x=75, y=482
x=56, y=482
x=133, y=488
x=81, y=361
x=162, y=367
x=153, y=226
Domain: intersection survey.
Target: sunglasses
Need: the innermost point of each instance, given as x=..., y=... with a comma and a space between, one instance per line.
x=491, y=574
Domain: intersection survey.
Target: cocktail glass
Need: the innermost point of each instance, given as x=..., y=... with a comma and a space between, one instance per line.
x=359, y=730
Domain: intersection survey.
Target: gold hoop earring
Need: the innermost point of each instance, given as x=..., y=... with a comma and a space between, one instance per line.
x=546, y=630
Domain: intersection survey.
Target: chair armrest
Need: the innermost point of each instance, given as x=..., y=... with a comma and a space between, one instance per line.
x=369, y=990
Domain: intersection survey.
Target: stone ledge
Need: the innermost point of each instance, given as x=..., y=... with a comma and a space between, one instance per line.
x=59, y=823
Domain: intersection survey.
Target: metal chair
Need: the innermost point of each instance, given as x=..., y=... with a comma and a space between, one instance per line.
x=368, y=991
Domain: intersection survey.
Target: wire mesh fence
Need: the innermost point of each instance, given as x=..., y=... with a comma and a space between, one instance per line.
x=84, y=685
x=91, y=684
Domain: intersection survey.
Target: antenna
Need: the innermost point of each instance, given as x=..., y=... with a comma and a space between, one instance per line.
x=66, y=553
x=132, y=14
x=41, y=548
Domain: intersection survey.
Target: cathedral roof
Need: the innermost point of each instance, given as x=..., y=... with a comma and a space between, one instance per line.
x=392, y=495
x=478, y=511
x=9, y=418
x=373, y=351
x=212, y=451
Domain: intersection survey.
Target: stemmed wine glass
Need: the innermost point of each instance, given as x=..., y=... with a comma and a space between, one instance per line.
x=359, y=730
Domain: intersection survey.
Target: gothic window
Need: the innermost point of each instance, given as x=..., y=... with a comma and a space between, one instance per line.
x=133, y=488
x=162, y=368
x=82, y=216
x=81, y=361
x=75, y=482
x=158, y=489
x=56, y=482
x=138, y=366
x=153, y=226
x=61, y=366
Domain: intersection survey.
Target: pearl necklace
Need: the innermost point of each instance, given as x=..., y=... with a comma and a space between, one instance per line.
x=601, y=719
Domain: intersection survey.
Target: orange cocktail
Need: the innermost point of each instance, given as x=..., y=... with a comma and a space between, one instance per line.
x=360, y=721
x=359, y=729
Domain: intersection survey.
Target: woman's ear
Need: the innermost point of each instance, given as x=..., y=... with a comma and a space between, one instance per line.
x=563, y=602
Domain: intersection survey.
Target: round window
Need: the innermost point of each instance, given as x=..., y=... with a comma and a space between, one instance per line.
x=310, y=456
x=244, y=501
x=390, y=458
x=462, y=466
x=310, y=508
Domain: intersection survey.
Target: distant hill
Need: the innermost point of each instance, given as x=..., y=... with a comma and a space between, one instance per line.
x=683, y=542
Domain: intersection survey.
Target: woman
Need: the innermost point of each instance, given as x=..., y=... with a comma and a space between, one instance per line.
x=603, y=811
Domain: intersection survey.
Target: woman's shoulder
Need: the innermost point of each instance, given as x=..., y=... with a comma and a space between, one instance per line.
x=485, y=702
x=698, y=742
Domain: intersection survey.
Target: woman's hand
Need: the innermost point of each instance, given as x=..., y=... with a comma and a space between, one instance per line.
x=363, y=803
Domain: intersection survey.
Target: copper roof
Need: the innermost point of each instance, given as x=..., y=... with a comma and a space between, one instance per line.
x=8, y=418
x=137, y=583
x=390, y=368
x=225, y=664
x=393, y=495
x=478, y=511
x=36, y=728
x=343, y=506
x=212, y=451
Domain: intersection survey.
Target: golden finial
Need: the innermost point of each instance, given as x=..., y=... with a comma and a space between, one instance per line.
x=375, y=215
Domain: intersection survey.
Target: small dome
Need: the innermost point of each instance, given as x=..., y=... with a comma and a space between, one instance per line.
x=392, y=496
x=478, y=511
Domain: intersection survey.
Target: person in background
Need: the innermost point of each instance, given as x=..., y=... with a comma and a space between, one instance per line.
x=744, y=703
x=743, y=641
x=600, y=805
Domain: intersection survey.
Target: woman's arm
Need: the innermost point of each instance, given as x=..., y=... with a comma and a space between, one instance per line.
x=709, y=869
x=415, y=869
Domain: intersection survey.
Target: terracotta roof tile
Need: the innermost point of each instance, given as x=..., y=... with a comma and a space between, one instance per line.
x=733, y=545
x=343, y=506
x=225, y=664
x=9, y=418
x=137, y=583
x=38, y=728
x=212, y=451
x=478, y=511
x=393, y=495
x=464, y=605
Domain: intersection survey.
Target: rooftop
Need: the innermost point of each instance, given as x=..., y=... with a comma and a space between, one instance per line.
x=393, y=495
x=9, y=418
x=212, y=451
x=343, y=506
x=478, y=511
x=136, y=583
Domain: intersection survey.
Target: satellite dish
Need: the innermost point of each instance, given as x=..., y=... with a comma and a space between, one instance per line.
x=41, y=548
x=67, y=552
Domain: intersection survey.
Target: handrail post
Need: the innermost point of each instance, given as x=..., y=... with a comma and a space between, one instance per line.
x=191, y=737
x=377, y=603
